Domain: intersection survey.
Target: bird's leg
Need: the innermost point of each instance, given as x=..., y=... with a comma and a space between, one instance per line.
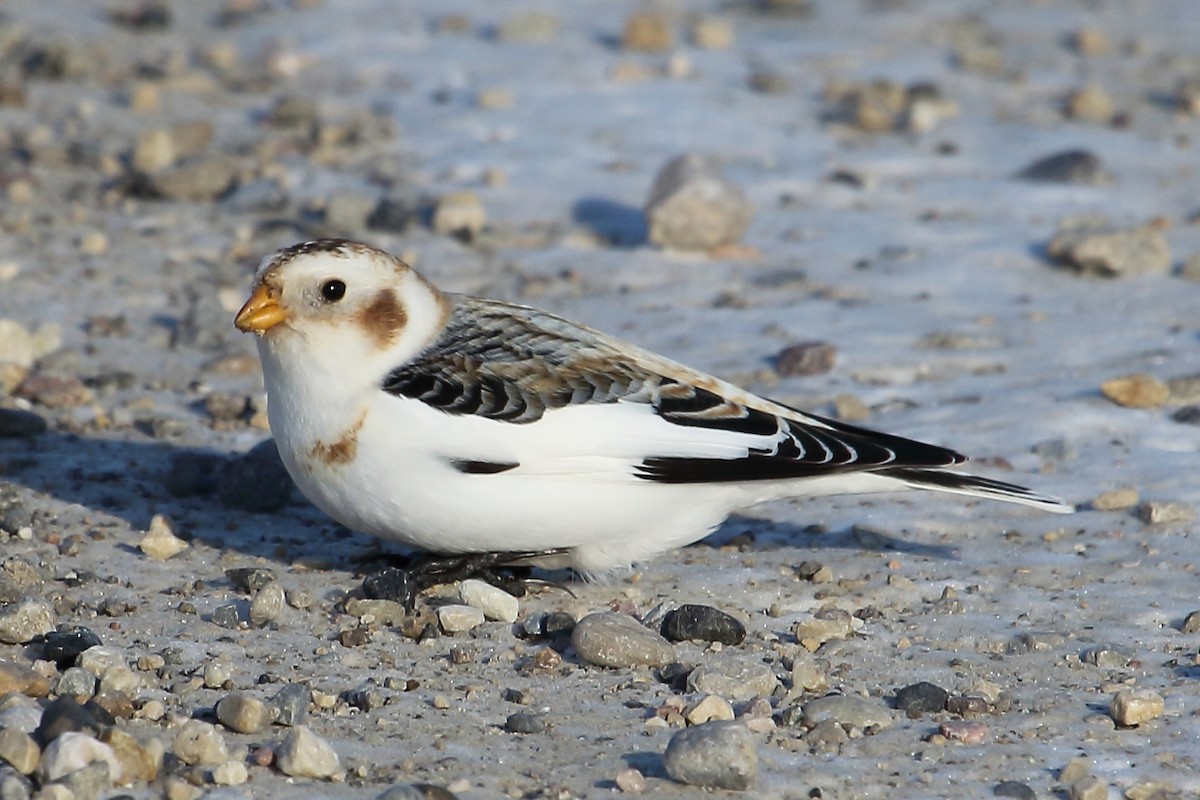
x=507, y=571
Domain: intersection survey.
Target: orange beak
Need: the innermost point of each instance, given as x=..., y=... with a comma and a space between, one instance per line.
x=260, y=313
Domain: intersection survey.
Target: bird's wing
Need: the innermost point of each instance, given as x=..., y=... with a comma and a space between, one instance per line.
x=513, y=364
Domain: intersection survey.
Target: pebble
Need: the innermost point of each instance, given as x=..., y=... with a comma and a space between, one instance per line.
x=459, y=214
x=417, y=791
x=1189, y=270
x=693, y=207
x=1078, y=167
x=160, y=541
x=230, y=773
x=1094, y=249
x=630, y=781
x=733, y=675
x=699, y=623
x=65, y=646
x=823, y=626
x=119, y=678
x=73, y=751
x=347, y=213
x=140, y=762
x=708, y=708
x=23, y=622
x=244, y=713
x=54, y=390
x=711, y=33
x=609, y=639
x=1154, y=512
x=494, y=602
x=189, y=474
x=1014, y=789
x=1090, y=104
x=647, y=32
x=65, y=715
x=965, y=731
x=807, y=675
x=303, y=754
x=718, y=755
x=249, y=580
x=1136, y=391
x=806, y=358
x=226, y=616
x=527, y=722
x=291, y=702
x=529, y=27
x=456, y=618
x=1107, y=656
x=921, y=698
x=200, y=744
x=1135, y=706
x=16, y=344
x=1116, y=499
x=1191, y=623
x=256, y=481
x=200, y=179
x=217, y=673
x=19, y=678
x=267, y=605
x=17, y=424
x=20, y=750
x=768, y=81
x=21, y=717
x=1088, y=787
x=383, y=612
x=849, y=711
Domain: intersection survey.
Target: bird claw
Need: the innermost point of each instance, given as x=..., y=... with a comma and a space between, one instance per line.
x=507, y=571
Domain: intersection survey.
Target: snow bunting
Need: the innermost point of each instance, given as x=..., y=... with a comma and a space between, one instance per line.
x=457, y=425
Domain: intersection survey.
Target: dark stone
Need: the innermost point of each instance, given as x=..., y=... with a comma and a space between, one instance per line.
x=1188, y=415
x=1015, y=789
x=921, y=698
x=256, y=481
x=389, y=584
x=249, y=580
x=191, y=474
x=1069, y=166
x=557, y=623
x=702, y=624
x=526, y=722
x=807, y=358
x=292, y=702
x=226, y=616
x=790, y=716
x=65, y=715
x=64, y=646
x=367, y=697
x=17, y=424
x=396, y=215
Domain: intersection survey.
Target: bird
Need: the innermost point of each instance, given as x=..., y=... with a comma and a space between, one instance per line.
x=459, y=426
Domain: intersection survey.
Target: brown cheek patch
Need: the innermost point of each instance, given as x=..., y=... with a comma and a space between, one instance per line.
x=383, y=318
x=343, y=449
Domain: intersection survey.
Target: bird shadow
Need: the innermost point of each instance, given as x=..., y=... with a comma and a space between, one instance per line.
x=619, y=224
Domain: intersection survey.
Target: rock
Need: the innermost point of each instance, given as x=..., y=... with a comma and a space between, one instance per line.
x=190, y=474
x=807, y=358
x=708, y=708
x=20, y=750
x=17, y=424
x=19, y=678
x=73, y=751
x=198, y=180
x=347, y=213
x=807, y=675
x=64, y=715
x=630, y=781
x=153, y=151
x=244, y=713
x=1135, y=706
x=718, y=755
x=1136, y=391
x=394, y=214
x=267, y=605
x=65, y=646
x=495, y=603
x=256, y=481
x=459, y=214
x=527, y=722
x=292, y=704
x=921, y=698
x=23, y=622
x=160, y=541
x=692, y=207
x=1078, y=167
x=848, y=711
x=1088, y=787
x=90, y=782
x=733, y=676
x=711, y=33
x=1116, y=499
x=1107, y=656
x=1158, y=513
x=1090, y=104
x=882, y=106
x=823, y=626
x=1187, y=96
x=1191, y=623
x=456, y=618
x=199, y=743
x=294, y=111
x=1014, y=789
x=54, y=390
x=965, y=731
x=16, y=344
x=609, y=639
x=1093, y=249
x=382, y=612
x=1189, y=270
x=140, y=762
x=647, y=32
x=417, y=791
x=303, y=754
x=120, y=678
x=529, y=27
x=767, y=81
x=702, y=624
x=231, y=773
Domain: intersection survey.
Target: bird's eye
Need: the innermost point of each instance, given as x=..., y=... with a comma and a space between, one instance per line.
x=333, y=290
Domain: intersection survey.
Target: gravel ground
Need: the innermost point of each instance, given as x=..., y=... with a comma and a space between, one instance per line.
x=913, y=262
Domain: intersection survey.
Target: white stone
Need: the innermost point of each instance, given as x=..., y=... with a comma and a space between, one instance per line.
x=458, y=618
x=495, y=603
x=72, y=751
x=199, y=743
x=303, y=754
x=160, y=541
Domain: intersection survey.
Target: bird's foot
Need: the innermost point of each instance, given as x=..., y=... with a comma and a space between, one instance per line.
x=507, y=571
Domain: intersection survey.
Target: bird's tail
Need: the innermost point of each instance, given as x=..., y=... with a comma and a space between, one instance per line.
x=944, y=480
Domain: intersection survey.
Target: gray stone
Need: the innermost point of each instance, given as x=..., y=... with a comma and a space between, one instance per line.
x=733, y=676
x=256, y=481
x=76, y=682
x=292, y=703
x=1079, y=167
x=719, y=755
x=20, y=750
x=848, y=711
x=267, y=604
x=693, y=207
x=608, y=639
x=1099, y=250
x=21, y=623
x=303, y=754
